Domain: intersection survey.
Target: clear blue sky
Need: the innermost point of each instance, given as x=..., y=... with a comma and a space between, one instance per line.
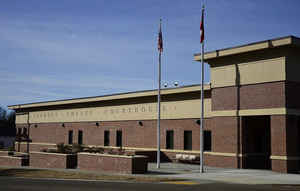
x=60, y=49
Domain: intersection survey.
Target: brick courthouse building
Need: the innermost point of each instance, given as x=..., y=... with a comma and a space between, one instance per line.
x=252, y=111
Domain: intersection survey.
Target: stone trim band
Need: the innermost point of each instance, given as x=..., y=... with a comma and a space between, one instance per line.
x=253, y=112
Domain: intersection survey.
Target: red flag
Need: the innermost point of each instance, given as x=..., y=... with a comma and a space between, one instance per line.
x=160, y=39
x=202, y=27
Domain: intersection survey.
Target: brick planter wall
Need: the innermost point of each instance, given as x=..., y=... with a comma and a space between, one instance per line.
x=112, y=163
x=4, y=153
x=152, y=155
x=13, y=161
x=52, y=160
x=11, y=153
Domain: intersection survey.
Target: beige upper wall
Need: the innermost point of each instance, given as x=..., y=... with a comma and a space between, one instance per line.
x=260, y=62
x=148, y=111
x=22, y=118
x=268, y=70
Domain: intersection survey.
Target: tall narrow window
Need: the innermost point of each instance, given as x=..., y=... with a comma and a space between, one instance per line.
x=19, y=131
x=106, y=138
x=24, y=131
x=80, y=137
x=207, y=140
x=70, y=141
x=188, y=140
x=170, y=139
x=119, y=139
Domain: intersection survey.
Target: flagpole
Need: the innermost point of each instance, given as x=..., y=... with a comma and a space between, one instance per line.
x=202, y=103
x=158, y=103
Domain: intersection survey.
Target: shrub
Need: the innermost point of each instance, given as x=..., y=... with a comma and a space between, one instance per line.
x=11, y=148
x=76, y=148
x=60, y=147
x=11, y=153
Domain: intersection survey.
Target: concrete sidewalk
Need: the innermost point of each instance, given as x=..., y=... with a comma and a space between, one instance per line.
x=213, y=174
x=190, y=173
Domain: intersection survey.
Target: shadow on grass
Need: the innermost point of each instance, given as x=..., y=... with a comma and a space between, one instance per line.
x=16, y=172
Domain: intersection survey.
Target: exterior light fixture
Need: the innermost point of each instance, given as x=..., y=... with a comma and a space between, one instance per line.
x=197, y=121
x=63, y=125
x=35, y=126
x=97, y=124
x=140, y=123
x=175, y=84
x=165, y=84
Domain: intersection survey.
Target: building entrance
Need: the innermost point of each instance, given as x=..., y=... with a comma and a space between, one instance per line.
x=256, y=142
x=298, y=143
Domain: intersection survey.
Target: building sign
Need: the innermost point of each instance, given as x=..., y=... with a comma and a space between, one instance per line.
x=169, y=110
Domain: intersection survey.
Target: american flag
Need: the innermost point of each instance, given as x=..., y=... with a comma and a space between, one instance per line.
x=202, y=27
x=160, y=39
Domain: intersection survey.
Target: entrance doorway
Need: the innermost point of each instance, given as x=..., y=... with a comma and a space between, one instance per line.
x=298, y=144
x=256, y=142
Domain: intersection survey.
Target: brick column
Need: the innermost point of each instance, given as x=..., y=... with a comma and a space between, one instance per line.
x=283, y=149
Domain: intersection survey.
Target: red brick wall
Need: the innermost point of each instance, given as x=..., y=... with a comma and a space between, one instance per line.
x=52, y=160
x=4, y=153
x=278, y=135
x=254, y=96
x=209, y=160
x=224, y=134
x=32, y=147
x=98, y=162
x=221, y=161
x=133, y=134
x=12, y=161
x=284, y=142
x=280, y=166
x=224, y=98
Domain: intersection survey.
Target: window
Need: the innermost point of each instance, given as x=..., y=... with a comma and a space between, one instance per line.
x=70, y=137
x=170, y=139
x=188, y=140
x=207, y=140
x=80, y=137
x=119, y=139
x=24, y=131
x=106, y=138
x=19, y=131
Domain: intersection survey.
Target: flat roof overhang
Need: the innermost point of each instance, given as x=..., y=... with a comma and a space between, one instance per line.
x=277, y=42
x=137, y=94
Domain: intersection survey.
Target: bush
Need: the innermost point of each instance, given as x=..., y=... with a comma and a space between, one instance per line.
x=76, y=148
x=94, y=150
x=11, y=153
x=61, y=147
x=11, y=148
